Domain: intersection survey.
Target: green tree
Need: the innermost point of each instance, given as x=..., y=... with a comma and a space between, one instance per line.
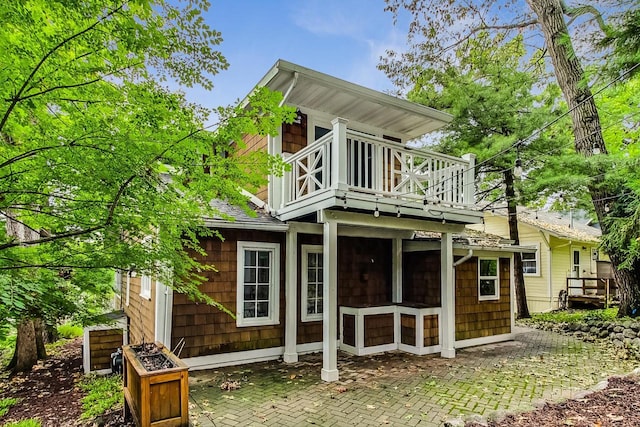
x=493, y=107
x=435, y=30
x=103, y=167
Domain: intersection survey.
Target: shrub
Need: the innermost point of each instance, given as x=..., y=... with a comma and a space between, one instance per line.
x=69, y=330
x=103, y=394
x=575, y=316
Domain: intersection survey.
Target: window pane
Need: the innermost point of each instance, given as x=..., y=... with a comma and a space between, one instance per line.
x=311, y=307
x=311, y=275
x=311, y=259
x=263, y=292
x=320, y=305
x=311, y=290
x=249, y=310
x=249, y=292
x=263, y=275
x=249, y=275
x=319, y=260
x=319, y=294
x=487, y=287
x=263, y=309
x=488, y=267
x=249, y=257
x=263, y=259
x=527, y=256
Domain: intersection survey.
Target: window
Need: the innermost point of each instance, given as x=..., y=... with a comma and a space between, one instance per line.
x=488, y=280
x=312, y=288
x=530, y=262
x=258, y=283
x=117, y=284
x=145, y=287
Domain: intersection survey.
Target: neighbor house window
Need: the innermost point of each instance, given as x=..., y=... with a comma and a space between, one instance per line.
x=145, y=287
x=311, y=283
x=258, y=283
x=530, y=262
x=488, y=280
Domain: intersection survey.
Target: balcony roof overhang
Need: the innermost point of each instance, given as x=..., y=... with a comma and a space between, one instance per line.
x=305, y=87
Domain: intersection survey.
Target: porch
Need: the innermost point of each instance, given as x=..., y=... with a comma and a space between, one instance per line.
x=598, y=292
x=359, y=172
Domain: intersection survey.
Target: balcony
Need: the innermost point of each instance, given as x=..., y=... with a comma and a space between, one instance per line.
x=357, y=171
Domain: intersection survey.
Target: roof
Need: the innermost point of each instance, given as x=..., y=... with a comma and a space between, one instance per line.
x=232, y=216
x=305, y=87
x=557, y=224
x=474, y=239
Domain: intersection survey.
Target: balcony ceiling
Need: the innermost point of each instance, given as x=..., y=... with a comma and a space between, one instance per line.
x=340, y=98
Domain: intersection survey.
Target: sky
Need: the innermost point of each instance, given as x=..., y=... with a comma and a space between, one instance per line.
x=343, y=38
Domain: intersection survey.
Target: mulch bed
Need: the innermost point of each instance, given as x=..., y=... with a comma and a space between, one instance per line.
x=618, y=405
x=49, y=392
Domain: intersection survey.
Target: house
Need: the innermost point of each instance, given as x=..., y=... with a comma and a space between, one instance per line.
x=567, y=257
x=358, y=246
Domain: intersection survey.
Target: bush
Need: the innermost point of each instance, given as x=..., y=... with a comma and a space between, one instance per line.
x=5, y=404
x=103, y=394
x=575, y=316
x=69, y=330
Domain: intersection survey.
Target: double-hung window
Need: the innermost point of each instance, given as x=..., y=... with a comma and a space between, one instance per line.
x=488, y=279
x=258, y=283
x=530, y=262
x=145, y=286
x=312, y=283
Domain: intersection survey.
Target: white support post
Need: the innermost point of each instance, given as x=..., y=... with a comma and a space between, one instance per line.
x=469, y=193
x=330, y=296
x=291, y=298
x=396, y=268
x=447, y=298
x=285, y=185
x=339, y=154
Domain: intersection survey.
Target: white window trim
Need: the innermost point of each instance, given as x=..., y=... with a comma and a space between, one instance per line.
x=274, y=285
x=304, y=294
x=537, y=273
x=496, y=296
x=145, y=287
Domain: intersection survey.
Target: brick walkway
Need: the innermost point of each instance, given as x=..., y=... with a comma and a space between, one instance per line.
x=401, y=389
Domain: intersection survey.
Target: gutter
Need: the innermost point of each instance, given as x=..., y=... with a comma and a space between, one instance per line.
x=463, y=259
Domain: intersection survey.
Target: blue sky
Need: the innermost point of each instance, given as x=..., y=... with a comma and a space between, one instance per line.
x=343, y=38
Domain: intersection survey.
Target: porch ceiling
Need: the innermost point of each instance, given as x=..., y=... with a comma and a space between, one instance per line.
x=340, y=98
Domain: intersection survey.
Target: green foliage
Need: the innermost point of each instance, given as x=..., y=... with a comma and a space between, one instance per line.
x=69, y=330
x=6, y=404
x=32, y=422
x=575, y=316
x=103, y=394
x=102, y=167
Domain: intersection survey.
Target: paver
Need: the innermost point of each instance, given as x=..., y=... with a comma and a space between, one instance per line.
x=400, y=389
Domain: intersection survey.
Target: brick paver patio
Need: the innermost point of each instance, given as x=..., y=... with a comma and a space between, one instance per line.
x=401, y=389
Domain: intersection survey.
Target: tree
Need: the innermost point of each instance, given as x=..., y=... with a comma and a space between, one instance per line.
x=493, y=108
x=436, y=25
x=106, y=167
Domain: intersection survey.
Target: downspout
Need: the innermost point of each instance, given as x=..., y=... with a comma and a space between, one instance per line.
x=463, y=259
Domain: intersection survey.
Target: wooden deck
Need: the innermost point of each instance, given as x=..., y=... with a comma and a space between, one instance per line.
x=598, y=292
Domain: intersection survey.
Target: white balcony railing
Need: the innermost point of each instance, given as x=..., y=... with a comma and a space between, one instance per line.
x=353, y=161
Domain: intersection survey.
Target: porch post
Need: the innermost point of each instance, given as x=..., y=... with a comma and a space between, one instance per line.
x=330, y=296
x=447, y=297
x=469, y=190
x=291, y=297
x=339, y=153
x=396, y=268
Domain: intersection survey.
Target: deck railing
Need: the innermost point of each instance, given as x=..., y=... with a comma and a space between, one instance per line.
x=353, y=161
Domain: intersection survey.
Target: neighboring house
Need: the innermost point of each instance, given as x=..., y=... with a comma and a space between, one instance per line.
x=352, y=249
x=566, y=253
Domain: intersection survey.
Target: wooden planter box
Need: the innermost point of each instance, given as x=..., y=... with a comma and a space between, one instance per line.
x=156, y=398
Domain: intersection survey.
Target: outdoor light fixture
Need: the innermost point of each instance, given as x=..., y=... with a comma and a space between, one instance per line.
x=398, y=214
x=376, y=213
x=299, y=117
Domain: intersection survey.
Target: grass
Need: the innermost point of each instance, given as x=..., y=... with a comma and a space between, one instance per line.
x=31, y=422
x=103, y=394
x=69, y=330
x=576, y=316
x=6, y=404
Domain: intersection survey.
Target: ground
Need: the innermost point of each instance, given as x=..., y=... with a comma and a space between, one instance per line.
x=371, y=385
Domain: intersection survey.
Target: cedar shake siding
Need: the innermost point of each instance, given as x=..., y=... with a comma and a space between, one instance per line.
x=206, y=329
x=255, y=143
x=364, y=277
x=294, y=136
x=141, y=311
x=421, y=281
x=474, y=318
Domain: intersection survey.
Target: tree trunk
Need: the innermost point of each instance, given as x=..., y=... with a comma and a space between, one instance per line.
x=512, y=219
x=40, y=336
x=25, y=355
x=587, y=131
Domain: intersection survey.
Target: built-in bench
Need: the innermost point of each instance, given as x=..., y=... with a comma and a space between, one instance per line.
x=407, y=327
